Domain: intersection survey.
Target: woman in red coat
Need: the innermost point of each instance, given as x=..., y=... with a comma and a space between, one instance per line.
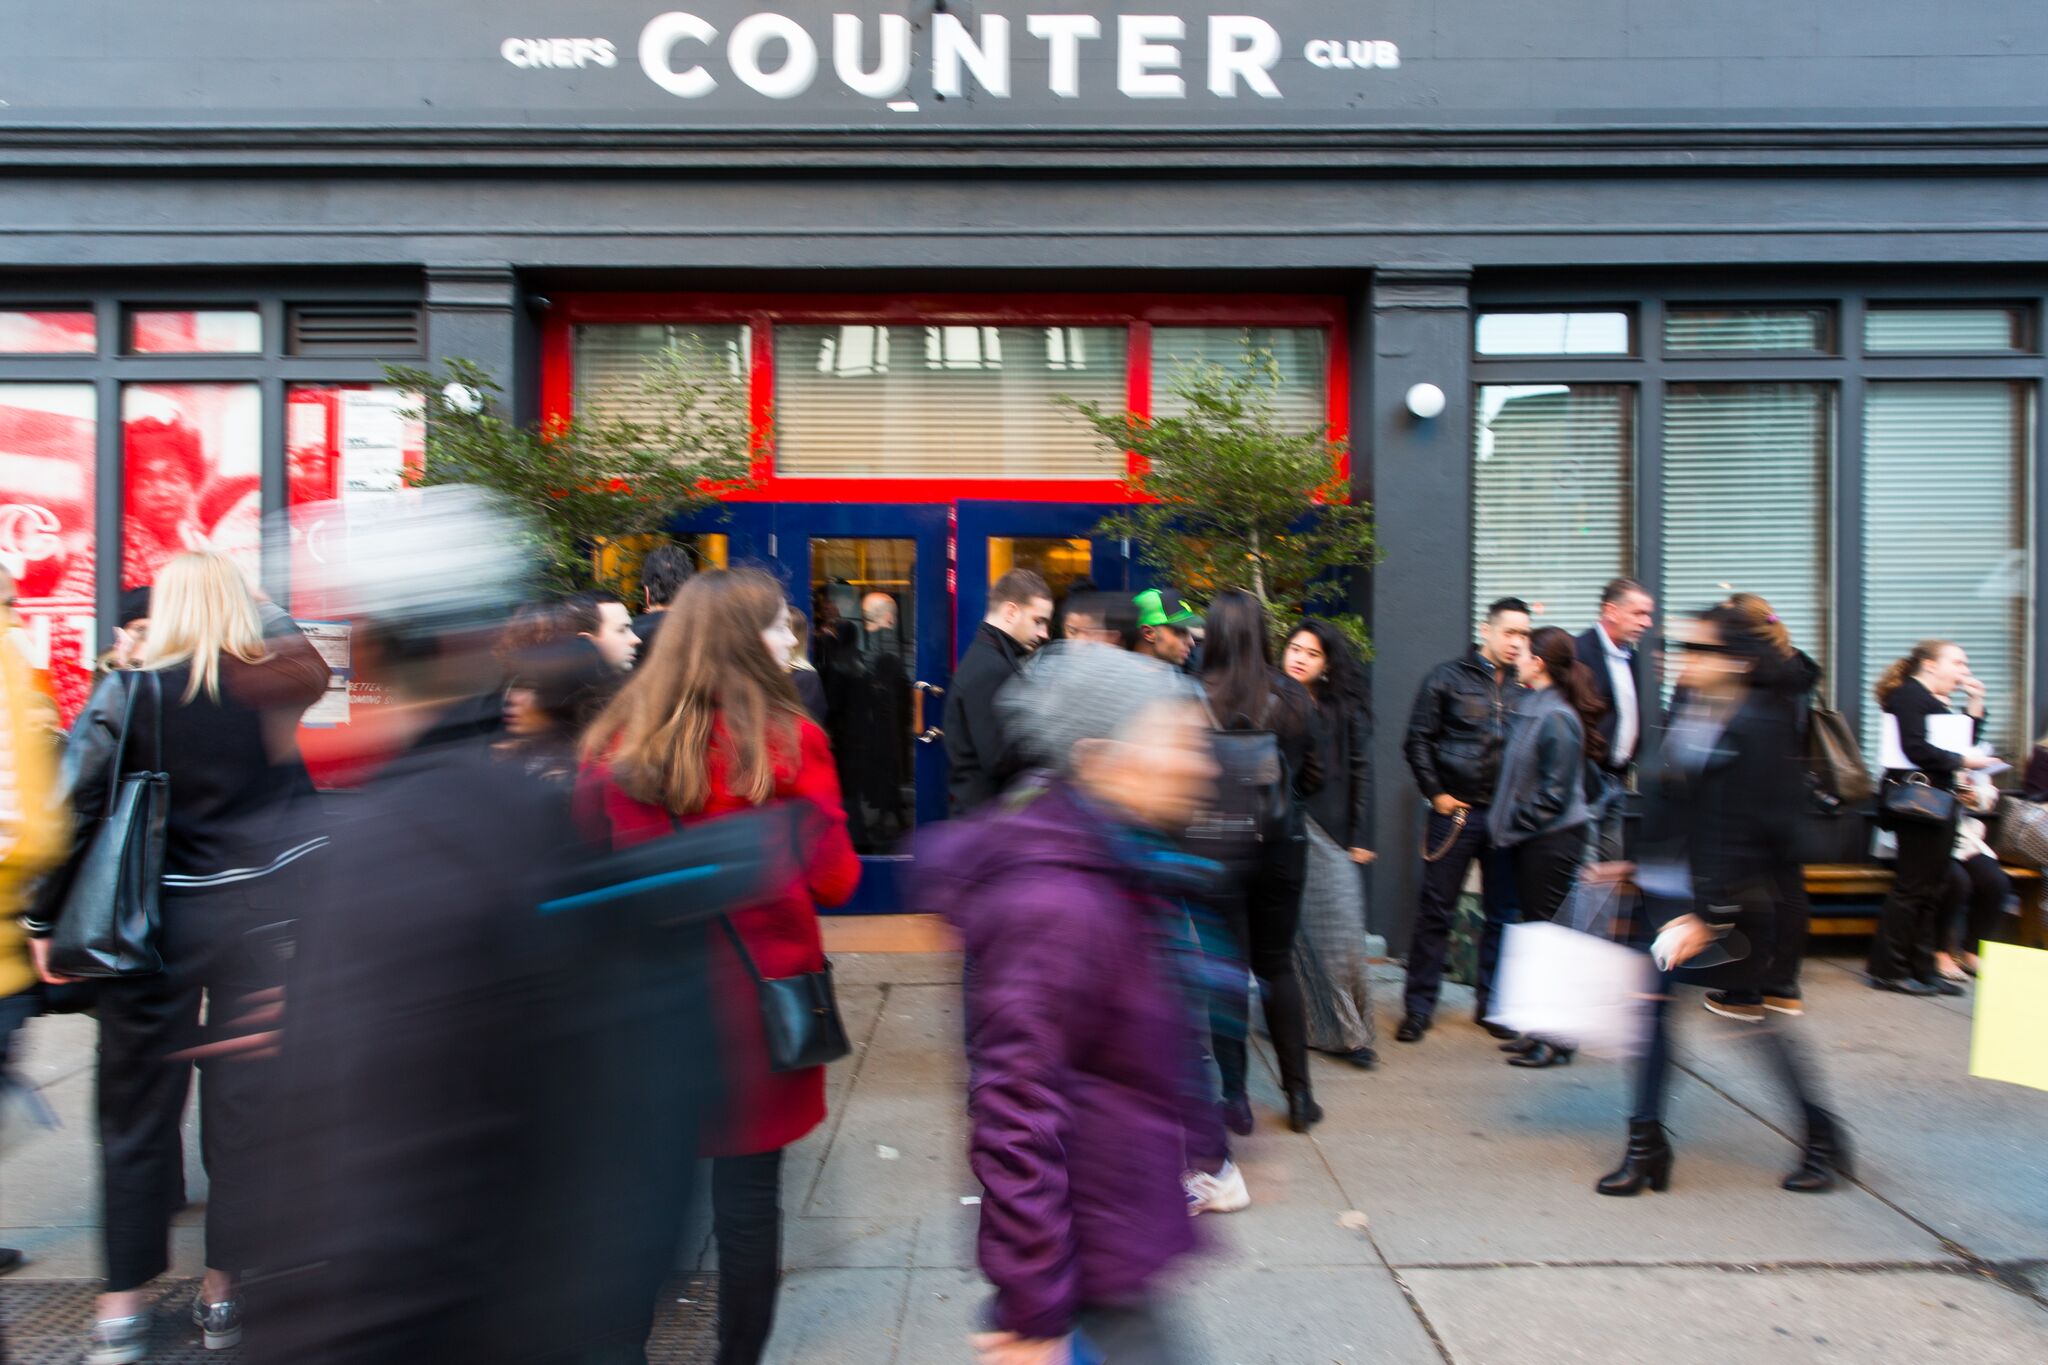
x=708, y=725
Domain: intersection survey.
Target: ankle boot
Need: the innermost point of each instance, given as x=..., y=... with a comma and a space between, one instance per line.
x=1303, y=1113
x=1826, y=1154
x=1648, y=1161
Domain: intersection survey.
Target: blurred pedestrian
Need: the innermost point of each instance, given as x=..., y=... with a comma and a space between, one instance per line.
x=1455, y=734
x=663, y=572
x=1102, y=618
x=1979, y=889
x=1081, y=1045
x=1539, y=810
x=1720, y=814
x=1261, y=902
x=981, y=759
x=552, y=693
x=1608, y=650
x=31, y=832
x=1789, y=675
x=1911, y=924
x=709, y=726
x=810, y=688
x=218, y=694
x=1331, y=955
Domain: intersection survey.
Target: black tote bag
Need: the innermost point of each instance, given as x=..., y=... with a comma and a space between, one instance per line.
x=112, y=915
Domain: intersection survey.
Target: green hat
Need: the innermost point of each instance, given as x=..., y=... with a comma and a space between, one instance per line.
x=1165, y=607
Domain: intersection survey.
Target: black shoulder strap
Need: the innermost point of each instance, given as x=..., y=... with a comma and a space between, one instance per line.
x=121, y=740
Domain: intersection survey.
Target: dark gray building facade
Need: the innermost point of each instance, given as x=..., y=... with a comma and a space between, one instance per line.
x=1740, y=295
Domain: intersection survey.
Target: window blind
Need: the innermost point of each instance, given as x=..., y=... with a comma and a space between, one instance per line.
x=1551, y=520
x=1945, y=545
x=1300, y=354
x=1704, y=331
x=1923, y=331
x=1745, y=501
x=612, y=361
x=945, y=402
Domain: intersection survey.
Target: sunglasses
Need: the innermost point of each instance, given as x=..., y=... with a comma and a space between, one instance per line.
x=1697, y=647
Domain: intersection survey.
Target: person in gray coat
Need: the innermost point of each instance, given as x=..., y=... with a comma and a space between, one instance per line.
x=1539, y=812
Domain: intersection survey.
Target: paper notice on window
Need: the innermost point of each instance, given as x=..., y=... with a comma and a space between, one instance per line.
x=1952, y=733
x=330, y=639
x=372, y=442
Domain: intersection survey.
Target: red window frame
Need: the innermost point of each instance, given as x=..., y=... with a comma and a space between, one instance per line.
x=763, y=312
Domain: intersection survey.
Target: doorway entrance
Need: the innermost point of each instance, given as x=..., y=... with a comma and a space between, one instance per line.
x=894, y=593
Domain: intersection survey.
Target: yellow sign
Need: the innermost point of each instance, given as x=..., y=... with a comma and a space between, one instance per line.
x=2010, y=1041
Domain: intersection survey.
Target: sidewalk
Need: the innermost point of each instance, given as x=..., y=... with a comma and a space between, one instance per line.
x=1484, y=1243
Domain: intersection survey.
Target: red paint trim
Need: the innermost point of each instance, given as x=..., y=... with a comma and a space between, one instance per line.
x=557, y=370
x=762, y=312
x=1337, y=385
x=1140, y=400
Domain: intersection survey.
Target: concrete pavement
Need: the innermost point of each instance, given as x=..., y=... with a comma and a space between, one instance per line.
x=1482, y=1242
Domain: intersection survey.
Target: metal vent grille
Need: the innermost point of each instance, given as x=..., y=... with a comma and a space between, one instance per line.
x=344, y=330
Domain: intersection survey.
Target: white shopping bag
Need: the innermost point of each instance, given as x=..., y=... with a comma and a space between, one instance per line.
x=1558, y=983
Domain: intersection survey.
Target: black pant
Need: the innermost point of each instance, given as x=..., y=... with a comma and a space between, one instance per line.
x=1263, y=919
x=1546, y=870
x=1781, y=1054
x=1785, y=952
x=1914, y=913
x=142, y=1090
x=746, y=1220
x=1442, y=881
x=1977, y=893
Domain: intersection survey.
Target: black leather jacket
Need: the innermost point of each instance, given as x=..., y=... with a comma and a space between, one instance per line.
x=1458, y=726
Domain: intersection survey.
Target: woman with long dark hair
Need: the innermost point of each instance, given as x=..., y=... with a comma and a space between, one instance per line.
x=1539, y=812
x=218, y=694
x=709, y=725
x=1263, y=905
x=1910, y=926
x=1720, y=813
x=1330, y=953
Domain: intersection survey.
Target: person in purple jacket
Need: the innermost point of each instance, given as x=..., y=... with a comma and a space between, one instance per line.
x=1084, y=1094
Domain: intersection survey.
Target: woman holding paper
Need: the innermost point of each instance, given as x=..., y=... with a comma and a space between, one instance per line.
x=1539, y=812
x=1720, y=812
x=1936, y=745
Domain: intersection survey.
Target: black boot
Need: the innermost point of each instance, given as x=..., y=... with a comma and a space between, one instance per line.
x=1648, y=1161
x=1545, y=1053
x=1303, y=1113
x=1826, y=1154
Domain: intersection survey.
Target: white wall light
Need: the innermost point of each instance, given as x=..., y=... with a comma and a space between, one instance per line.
x=1426, y=401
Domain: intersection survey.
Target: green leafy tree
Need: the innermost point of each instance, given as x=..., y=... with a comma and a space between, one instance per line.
x=1230, y=495
x=587, y=482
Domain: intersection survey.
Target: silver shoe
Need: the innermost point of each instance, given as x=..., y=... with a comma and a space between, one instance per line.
x=119, y=1341
x=219, y=1323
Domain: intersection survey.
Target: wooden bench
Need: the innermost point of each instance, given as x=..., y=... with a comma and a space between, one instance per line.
x=1858, y=879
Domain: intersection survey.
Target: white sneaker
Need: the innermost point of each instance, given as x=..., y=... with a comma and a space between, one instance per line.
x=1223, y=1192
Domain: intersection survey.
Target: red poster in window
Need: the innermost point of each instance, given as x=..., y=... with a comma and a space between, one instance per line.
x=192, y=469
x=46, y=528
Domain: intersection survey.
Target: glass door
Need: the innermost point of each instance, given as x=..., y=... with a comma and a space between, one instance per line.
x=873, y=580
x=1055, y=540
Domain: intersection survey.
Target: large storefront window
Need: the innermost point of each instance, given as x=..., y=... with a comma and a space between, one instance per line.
x=1945, y=493
x=46, y=526
x=613, y=360
x=1298, y=357
x=1745, y=500
x=898, y=402
x=1553, y=487
x=192, y=475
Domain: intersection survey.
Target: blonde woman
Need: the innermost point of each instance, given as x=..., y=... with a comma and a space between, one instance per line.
x=218, y=693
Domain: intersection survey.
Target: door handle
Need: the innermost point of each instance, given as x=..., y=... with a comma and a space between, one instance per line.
x=918, y=690
x=935, y=733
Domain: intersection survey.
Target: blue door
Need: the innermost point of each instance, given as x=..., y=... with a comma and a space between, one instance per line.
x=873, y=579
x=1055, y=539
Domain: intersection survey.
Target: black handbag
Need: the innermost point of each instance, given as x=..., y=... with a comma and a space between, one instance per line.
x=112, y=916
x=799, y=1014
x=1916, y=801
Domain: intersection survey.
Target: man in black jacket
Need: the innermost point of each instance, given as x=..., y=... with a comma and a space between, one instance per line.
x=1608, y=650
x=983, y=759
x=1455, y=736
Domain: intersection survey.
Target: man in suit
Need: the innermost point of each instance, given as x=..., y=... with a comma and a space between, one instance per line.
x=1609, y=651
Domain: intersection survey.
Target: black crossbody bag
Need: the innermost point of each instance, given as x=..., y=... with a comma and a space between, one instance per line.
x=799, y=1014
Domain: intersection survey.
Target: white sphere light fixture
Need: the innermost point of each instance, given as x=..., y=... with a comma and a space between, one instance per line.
x=463, y=398
x=1426, y=401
